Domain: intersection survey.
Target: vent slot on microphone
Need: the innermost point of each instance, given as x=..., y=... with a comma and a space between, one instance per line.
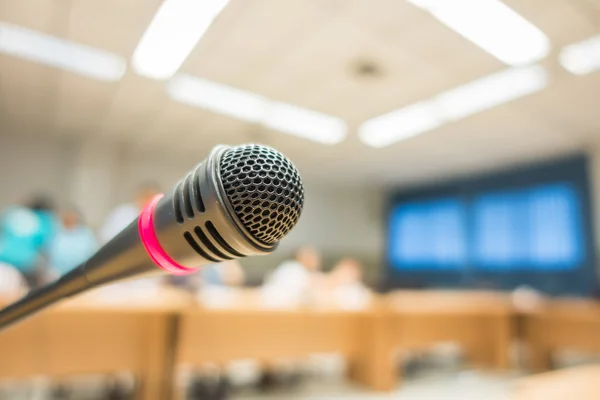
x=206, y=241
x=177, y=204
x=194, y=245
x=197, y=192
x=217, y=236
x=187, y=197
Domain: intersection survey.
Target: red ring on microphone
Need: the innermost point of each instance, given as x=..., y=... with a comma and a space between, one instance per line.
x=151, y=244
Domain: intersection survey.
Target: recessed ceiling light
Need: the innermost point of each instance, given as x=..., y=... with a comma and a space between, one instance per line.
x=173, y=33
x=493, y=26
x=583, y=57
x=60, y=53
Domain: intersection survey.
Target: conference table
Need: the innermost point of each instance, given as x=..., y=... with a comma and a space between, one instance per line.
x=219, y=337
x=561, y=324
x=370, y=339
x=155, y=334
x=479, y=322
x=98, y=335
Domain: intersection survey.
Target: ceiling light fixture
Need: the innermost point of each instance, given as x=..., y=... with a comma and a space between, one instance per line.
x=305, y=123
x=176, y=28
x=218, y=98
x=493, y=26
x=583, y=57
x=452, y=105
x=490, y=91
x=254, y=108
x=400, y=124
x=60, y=53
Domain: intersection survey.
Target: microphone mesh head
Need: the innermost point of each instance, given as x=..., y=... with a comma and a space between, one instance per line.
x=264, y=189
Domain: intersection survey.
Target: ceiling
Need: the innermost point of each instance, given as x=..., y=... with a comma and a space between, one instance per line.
x=304, y=52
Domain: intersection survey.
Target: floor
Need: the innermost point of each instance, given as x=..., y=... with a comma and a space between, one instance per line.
x=461, y=386
x=432, y=386
x=444, y=379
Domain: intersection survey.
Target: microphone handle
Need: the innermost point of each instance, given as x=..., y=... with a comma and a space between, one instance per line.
x=122, y=257
x=72, y=283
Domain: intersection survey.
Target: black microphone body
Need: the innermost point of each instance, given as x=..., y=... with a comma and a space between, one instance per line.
x=239, y=202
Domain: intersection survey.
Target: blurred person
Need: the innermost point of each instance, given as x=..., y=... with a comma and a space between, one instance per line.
x=12, y=283
x=299, y=271
x=121, y=216
x=44, y=209
x=219, y=284
x=346, y=287
x=526, y=299
x=73, y=244
x=294, y=282
x=190, y=282
x=229, y=273
x=25, y=232
x=226, y=274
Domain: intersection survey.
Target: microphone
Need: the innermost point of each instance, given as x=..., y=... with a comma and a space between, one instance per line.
x=239, y=202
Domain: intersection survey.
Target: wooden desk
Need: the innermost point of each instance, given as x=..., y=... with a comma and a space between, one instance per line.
x=221, y=336
x=149, y=337
x=561, y=324
x=479, y=322
x=581, y=383
x=91, y=336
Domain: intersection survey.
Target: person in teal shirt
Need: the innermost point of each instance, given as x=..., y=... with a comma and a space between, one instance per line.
x=25, y=232
x=19, y=238
x=73, y=243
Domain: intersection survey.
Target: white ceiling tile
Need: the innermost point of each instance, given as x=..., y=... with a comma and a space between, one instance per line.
x=302, y=52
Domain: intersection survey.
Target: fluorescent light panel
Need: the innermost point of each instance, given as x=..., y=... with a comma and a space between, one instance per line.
x=400, y=124
x=60, y=53
x=176, y=28
x=493, y=26
x=218, y=98
x=490, y=91
x=583, y=57
x=253, y=108
x=453, y=105
x=305, y=123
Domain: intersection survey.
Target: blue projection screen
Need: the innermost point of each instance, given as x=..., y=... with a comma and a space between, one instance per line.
x=525, y=226
x=536, y=228
x=428, y=235
x=533, y=229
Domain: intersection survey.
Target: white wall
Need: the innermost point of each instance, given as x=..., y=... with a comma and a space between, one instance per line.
x=139, y=167
x=339, y=219
x=69, y=170
x=29, y=165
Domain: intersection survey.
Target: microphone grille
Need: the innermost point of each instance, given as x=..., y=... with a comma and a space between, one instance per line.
x=264, y=189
